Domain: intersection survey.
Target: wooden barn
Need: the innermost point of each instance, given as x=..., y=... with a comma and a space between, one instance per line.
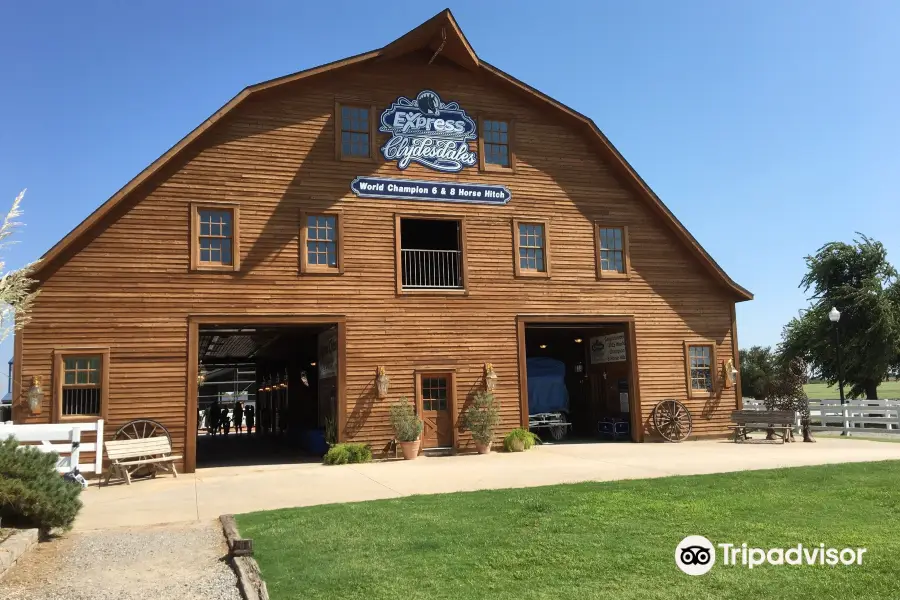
x=409, y=222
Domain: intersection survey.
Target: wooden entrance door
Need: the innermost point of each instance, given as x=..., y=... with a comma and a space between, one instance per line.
x=617, y=384
x=607, y=381
x=597, y=399
x=435, y=407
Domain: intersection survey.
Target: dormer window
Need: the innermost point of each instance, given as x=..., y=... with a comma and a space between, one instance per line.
x=354, y=132
x=495, y=144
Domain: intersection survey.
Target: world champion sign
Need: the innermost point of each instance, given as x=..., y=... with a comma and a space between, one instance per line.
x=430, y=191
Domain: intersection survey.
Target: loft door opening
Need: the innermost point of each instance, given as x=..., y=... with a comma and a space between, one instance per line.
x=431, y=255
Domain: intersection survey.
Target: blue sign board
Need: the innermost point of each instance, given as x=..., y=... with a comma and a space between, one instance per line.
x=433, y=191
x=429, y=132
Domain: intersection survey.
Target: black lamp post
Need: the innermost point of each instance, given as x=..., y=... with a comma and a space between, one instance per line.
x=834, y=315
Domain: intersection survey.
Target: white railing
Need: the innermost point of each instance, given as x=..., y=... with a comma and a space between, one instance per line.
x=856, y=416
x=62, y=438
x=431, y=269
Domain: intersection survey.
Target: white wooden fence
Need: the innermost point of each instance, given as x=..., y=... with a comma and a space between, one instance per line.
x=62, y=438
x=856, y=416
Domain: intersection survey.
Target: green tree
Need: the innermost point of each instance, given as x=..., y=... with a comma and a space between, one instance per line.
x=758, y=370
x=858, y=280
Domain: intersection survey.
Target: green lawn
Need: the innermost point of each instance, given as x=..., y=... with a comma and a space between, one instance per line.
x=594, y=540
x=820, y=391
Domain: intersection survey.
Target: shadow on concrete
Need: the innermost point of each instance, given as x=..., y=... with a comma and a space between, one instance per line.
x=236, y=450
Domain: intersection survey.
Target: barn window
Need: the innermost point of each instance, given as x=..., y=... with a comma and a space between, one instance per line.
x=80, y=383
x=495, y=144
x=532, y=255
x=320, y=247
x=355, y=132
x=215, y=237
x=700, y=360
x=612, y=251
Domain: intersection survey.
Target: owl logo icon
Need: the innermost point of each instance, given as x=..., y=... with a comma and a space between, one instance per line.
x=695, y=555
x=429, y=103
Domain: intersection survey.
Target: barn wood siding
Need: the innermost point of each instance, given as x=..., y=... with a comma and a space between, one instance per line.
x=129, y=287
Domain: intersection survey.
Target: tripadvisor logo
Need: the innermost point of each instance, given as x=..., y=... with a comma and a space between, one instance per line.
x=696, y=555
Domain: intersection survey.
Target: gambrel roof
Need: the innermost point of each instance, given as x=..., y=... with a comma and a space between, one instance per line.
x=440, y=34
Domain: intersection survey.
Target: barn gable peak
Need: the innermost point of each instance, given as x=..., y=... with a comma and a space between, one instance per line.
x=439, y=35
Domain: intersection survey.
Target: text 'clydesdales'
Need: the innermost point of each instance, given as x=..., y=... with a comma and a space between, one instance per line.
x=429, y=132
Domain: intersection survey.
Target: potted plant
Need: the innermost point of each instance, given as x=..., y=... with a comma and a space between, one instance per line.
x=481, y=418
x=407, y=427
x=519, y=440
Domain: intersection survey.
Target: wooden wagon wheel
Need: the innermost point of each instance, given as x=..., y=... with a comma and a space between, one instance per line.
x=140, y=429
x=672, y=420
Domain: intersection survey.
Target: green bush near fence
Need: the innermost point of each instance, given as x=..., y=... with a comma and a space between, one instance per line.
x=32, y=493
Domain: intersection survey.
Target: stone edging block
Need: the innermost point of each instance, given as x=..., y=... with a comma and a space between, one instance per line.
x=15, y=546
x=250, y=580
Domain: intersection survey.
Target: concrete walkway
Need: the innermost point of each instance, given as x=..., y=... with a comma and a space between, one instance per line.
x=212, y=492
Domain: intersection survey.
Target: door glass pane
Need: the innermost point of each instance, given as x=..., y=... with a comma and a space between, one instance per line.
x=434, y=393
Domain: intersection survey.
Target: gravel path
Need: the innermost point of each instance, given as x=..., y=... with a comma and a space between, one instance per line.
x=148, y=563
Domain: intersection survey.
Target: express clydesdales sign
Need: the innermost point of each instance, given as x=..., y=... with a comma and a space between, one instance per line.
x=429, y=132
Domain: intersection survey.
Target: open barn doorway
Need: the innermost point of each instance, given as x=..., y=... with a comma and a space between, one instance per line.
x=579, y=380
x=265, y=392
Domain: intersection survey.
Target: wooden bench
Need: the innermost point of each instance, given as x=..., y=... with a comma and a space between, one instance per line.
x=127, y=456
x=779, y=421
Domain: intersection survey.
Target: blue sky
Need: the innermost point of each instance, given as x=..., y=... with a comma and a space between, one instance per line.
x=769, y=128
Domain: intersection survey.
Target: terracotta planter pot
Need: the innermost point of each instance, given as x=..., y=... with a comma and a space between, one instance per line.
x=410, y=449
x=483, y=448
x=517, y=445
